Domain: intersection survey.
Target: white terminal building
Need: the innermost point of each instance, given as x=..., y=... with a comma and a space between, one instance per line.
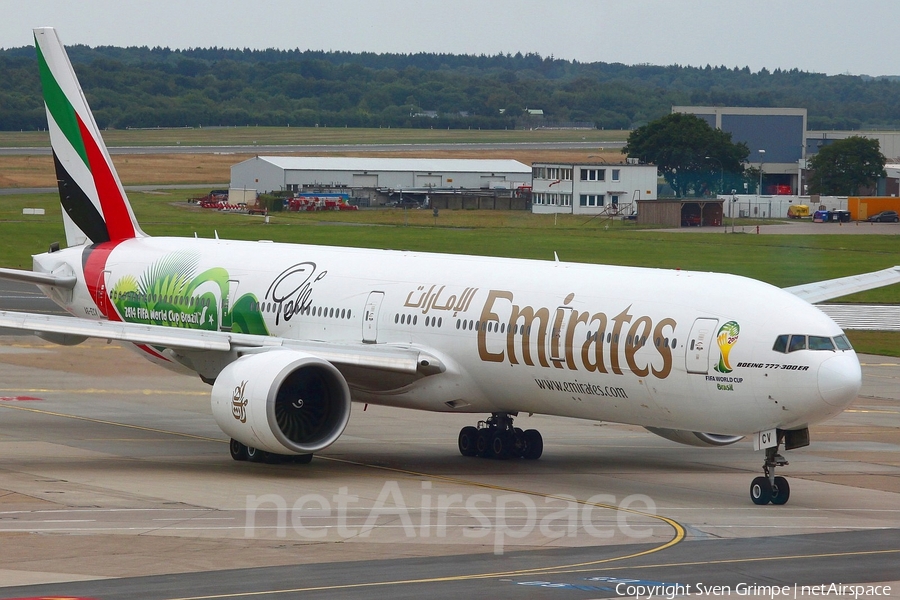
x=267, y=174
x=591, y=188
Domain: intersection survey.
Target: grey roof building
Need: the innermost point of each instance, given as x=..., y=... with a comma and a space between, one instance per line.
x=294, y=173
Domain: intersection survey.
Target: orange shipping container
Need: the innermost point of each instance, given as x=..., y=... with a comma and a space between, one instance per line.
x=863, y=207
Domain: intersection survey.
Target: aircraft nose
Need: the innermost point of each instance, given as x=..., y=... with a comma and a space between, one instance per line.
x=840, y=378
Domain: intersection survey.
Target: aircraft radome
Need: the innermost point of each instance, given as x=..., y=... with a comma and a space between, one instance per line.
x=290, y=337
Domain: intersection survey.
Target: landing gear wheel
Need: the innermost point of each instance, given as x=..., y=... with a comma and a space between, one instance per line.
x=500, y=445
x=467, y=441
x=781, y=491
x=301, y=459
x=770, y=488
x=534, y=444
x=238, y=450
x=483, y=443
x=761, y=490
x=496, y=437
x=256, y=456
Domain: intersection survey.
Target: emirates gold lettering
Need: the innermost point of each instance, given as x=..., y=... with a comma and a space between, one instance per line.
x=531, y=334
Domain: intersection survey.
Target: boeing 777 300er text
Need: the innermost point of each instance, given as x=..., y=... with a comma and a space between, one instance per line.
x=289, y=338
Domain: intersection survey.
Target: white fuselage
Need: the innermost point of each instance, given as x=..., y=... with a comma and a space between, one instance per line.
x=659, y=348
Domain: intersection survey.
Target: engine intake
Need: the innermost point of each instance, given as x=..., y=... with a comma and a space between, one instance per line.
x=695, y=438
x=282, y=401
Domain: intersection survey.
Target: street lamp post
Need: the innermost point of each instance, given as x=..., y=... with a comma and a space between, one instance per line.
x=721, y=181
x=731, y=208
x=762, y=156
x=721, y=173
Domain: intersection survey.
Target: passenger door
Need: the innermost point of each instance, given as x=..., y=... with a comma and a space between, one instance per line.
x=370, y=318
x=696, y=354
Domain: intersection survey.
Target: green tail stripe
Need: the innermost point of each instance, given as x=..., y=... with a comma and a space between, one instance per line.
x=59, y=106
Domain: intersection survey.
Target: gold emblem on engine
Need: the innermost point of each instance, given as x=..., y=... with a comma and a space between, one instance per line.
x=239, y=403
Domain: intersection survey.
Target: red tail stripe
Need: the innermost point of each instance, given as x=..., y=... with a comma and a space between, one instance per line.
x=115, y=211
x=94, y=265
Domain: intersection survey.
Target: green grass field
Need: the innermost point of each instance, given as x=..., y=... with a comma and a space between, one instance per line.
x=219, y=136
x=782, y=260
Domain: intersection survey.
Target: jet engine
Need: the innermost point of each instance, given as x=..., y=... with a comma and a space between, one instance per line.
x=695, y=438
x=281, y=401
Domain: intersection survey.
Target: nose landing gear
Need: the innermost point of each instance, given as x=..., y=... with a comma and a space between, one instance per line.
x=770, y=488
x=497, y=438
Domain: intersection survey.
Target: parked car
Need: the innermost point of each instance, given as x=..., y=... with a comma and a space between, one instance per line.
x=885, y=216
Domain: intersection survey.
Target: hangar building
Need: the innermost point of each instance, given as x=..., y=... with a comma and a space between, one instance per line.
x=267, y=174
x=776, y=138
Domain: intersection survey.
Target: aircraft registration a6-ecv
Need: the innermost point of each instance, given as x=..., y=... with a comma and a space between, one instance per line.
x=290, y=337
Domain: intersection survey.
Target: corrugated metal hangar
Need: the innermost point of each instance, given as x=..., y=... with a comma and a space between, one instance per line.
x=267, y=174
x=775, y=137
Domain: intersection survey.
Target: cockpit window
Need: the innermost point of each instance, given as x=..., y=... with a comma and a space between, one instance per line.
x=843, y=343
x=792, y=343
x=798, y=342
x=781, y=343
x=818, y=342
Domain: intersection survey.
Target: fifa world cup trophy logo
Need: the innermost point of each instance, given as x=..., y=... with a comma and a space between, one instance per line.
x=726, y=338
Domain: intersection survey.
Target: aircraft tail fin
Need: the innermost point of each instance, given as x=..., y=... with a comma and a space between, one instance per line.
x=95, y=207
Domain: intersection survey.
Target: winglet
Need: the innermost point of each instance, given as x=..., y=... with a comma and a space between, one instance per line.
x=95, y=207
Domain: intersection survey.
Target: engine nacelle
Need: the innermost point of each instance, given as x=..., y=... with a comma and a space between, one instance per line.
x=695, y=438
x=282, y=401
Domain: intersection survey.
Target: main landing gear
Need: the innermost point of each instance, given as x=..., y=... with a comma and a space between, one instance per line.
x=770, y=488
x=497, y=438
x=240, y=452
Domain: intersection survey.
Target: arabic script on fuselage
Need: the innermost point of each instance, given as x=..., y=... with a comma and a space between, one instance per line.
x=434, y=299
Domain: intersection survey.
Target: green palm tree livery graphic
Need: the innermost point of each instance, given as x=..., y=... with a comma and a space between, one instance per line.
x=171, y=293
x=726, y=338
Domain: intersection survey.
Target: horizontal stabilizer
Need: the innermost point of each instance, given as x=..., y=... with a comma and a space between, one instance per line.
x=835, y=288
x=67, y=282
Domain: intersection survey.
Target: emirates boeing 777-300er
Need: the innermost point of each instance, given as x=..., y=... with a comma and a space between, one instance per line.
x=289, y=338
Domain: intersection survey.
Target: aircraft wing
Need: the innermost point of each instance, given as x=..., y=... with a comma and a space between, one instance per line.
x=396, y=359
x=842, y=286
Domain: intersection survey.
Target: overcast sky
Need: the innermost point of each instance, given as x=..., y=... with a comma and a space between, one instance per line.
x=825, y=36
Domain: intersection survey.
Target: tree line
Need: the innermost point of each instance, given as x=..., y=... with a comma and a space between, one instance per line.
x=160, y=87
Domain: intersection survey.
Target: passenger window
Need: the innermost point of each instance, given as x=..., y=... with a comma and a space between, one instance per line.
x=818, y=342
x=781, y=343
x=798, y=342
x=843, y=343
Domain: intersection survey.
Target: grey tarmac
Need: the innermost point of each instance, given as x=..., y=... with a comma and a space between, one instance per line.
x=116, y=483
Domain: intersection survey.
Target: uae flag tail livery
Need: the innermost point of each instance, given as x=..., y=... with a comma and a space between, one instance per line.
x=95, y=208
